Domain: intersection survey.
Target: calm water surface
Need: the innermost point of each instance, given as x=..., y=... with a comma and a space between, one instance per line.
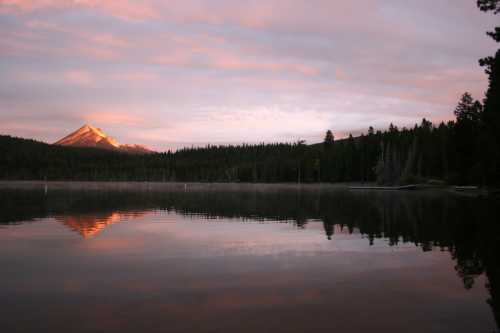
x=228, y=258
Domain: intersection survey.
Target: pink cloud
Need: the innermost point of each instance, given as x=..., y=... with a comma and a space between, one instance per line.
x=108, y=39
x=323, y=15
x=78, y=77
x=94, y=52
x=171, y=49
x=174, y=57
x=123, y=9
x=100, y=46
x=77, y=42
x=136, y=77
x=97, y=38
x=234, y=62
x=110, y=117
x=29, y=5
x=188, y=50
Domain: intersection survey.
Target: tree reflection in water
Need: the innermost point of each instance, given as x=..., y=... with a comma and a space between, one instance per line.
x=466, y=227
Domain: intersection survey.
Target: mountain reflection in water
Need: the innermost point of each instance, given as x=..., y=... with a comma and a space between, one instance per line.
x=467, y=228
x=91, y=224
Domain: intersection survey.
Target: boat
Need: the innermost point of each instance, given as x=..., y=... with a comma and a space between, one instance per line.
x=384, y=188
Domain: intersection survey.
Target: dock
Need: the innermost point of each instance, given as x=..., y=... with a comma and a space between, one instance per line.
x=466, y=188
x=384, y=188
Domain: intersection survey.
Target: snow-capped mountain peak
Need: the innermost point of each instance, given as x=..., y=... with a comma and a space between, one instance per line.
x=90, y=136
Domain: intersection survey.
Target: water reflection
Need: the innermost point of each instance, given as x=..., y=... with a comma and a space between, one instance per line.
x=90, y=225
x=467, y=228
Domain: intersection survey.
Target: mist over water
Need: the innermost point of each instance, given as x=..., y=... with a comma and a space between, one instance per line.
x=126, y=257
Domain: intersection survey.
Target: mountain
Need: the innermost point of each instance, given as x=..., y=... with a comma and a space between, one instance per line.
x=90, y=136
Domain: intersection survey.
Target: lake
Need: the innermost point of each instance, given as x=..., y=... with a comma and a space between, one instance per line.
x=139, y=257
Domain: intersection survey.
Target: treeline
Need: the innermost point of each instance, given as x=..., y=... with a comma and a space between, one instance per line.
x=393, y=156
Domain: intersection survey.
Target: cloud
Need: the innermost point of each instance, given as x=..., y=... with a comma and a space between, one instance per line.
x=226, y=61
x=110, y=117
x=78, y=77
x=123, y=9
x=200, y=71
x=136, y=77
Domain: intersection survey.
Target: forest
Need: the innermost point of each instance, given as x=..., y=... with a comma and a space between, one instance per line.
x=463, y=151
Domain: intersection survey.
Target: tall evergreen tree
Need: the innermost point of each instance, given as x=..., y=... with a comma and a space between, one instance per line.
x=468, y=113
x=490, y=140
x=329, y=139
x=468, y=109
x=327, y=165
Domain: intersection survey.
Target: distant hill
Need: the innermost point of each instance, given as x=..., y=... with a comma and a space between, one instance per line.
x=90, y=136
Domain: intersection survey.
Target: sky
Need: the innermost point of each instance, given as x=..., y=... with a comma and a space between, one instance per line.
x=169, y=74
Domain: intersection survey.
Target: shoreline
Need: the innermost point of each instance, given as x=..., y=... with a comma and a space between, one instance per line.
x=203, y=186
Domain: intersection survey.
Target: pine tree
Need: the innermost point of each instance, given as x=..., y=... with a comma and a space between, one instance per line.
x=328, y=156
x=329, y=139
x=490, y=139
x=379, y=168
x=411, y=160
